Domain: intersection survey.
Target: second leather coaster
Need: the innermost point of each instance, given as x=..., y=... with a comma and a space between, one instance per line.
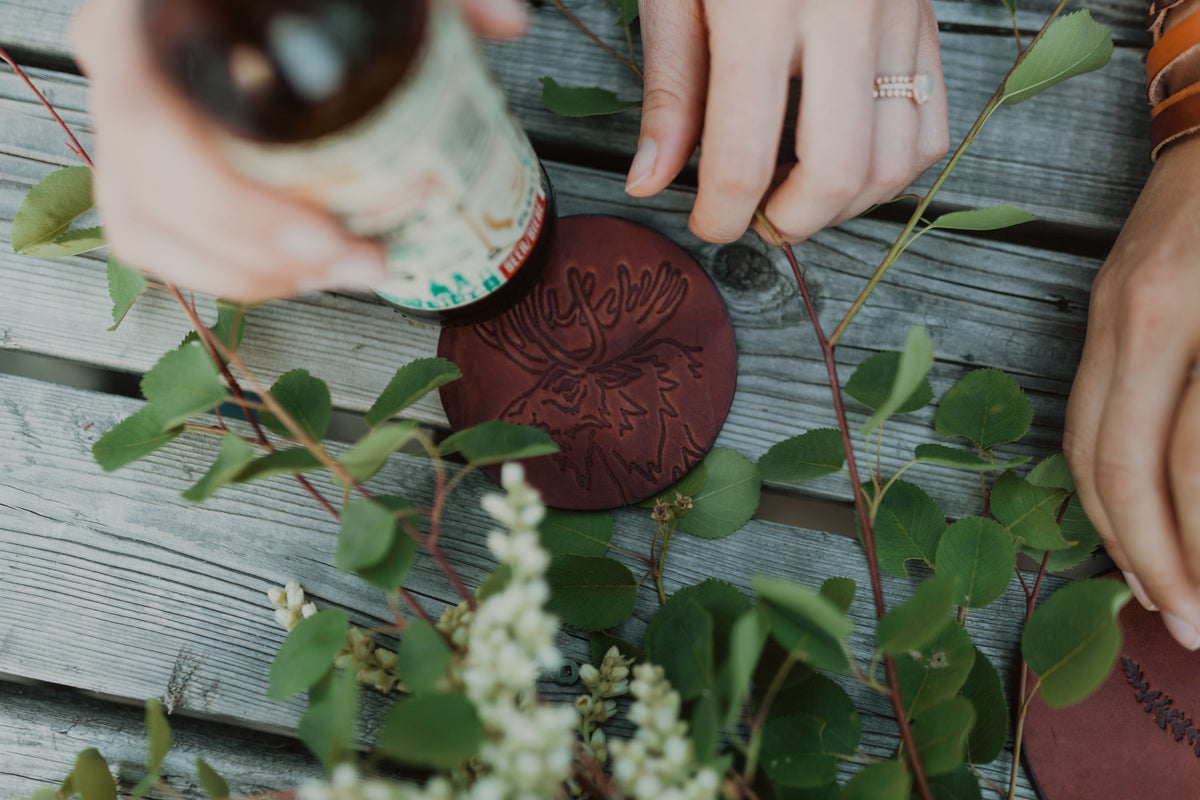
x=624, y=353
x=1137, y=737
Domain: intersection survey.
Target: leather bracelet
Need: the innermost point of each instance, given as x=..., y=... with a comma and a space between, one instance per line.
x=1176, y=119
x=1176, y=43
x=1158, y=15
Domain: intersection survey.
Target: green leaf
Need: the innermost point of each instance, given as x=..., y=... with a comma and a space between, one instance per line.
x=234, y=456
x=872, y=382
x=437, y=731
x=822, y=700
x=410, y=383
x=158, y=739
x=71, y=243
x=885, y=780
x=495, y=441
x=306, y=400
x=1075, y=527
x=581, y=533
x=914, y=365
x=746, y=640
x=705, y=723
x=986, y=406
x=982, y=219
x=1052, y=472
x=960, y=783
x=91, y=778
x=732, y=487
x=954, y=458
x=919, y=619
x=307, y=653
x=680, y=640
x=1074, y=45
x=282, y=462
x=840, y=592
x=183, y=383
x=134, y=437
x=941, y=735
x=688, y=486
x=582, y=101
x=1011, y=5
x=371, y=452
x=794, y=755
x=48, y=210
x=981, y=554
x=1030, y=512
x=329, y=726
x=496, y=581
x=724, y=602
x=985, y=691
x=935, y=672
x=212, y=783
x=125, y=285
x=805, y=623
x=366, y=535
x=231, y=324
x=590, y=592
x=628, y=9
x=909, y=526
x=1072, y=639
x=422, y=656
x=389, y=572
x=804, y=457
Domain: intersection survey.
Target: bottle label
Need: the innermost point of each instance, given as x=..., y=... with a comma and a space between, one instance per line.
x=440, y=172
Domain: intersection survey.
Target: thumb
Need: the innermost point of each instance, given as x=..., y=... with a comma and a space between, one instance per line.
x=676, y=83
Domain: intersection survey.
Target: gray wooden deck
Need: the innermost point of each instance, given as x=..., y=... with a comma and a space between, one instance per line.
x=111, y=584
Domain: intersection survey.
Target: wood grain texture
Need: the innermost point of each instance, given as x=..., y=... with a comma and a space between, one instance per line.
x=153, y=597
x=985, y=303
x=43, y=727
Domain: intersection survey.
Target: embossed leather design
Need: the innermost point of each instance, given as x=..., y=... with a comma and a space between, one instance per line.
x=624, y=353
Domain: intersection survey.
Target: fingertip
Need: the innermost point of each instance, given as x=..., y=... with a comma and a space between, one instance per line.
x=641, y=180
x=496, y=19
x=714, y=230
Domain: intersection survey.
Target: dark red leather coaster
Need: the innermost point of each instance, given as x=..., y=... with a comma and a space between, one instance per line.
x=1137, y=737
x=624, y=353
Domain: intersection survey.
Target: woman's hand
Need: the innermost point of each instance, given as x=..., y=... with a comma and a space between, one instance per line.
x=1133, y=422
x=722, y=67
x=171, y=205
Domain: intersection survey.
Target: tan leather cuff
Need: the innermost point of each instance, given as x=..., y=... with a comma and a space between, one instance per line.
x=1174, y=45
x=1176, y=119
x=1158, y=15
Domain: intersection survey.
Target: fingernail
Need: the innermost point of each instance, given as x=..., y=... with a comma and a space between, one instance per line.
x=1184, y=632
x=1139, y=592
x=307, y=243
x=643, y=164
x=355, y=272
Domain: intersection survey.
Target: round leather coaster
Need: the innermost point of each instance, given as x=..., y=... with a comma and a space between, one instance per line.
x=1137, y=737
x=624, y=354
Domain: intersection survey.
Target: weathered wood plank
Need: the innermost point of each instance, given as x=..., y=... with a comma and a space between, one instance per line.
x=1076, y=155
x=1007, y=306
x=159, y=597
x=43, y=727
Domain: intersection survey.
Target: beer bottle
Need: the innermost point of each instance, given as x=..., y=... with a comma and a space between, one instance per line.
x=383, y=112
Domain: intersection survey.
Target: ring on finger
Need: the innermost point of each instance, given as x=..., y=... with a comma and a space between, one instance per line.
x=917, y=87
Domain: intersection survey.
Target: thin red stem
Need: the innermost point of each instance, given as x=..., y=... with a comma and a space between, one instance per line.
x=74, y=146
x=868, y=533
x=579, y=24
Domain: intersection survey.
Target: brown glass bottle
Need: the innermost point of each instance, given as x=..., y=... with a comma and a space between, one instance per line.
x=383, y=112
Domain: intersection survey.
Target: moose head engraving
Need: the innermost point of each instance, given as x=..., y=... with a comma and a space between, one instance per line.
x=603, y=378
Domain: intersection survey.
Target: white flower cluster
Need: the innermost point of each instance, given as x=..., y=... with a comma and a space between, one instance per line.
x=608, y=681
x=372, y=664
x=528, y=751
x=659, y=763
x=508, y=640
x=290, y=605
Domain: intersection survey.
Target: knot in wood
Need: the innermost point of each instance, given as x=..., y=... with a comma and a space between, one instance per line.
x=742, y=268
